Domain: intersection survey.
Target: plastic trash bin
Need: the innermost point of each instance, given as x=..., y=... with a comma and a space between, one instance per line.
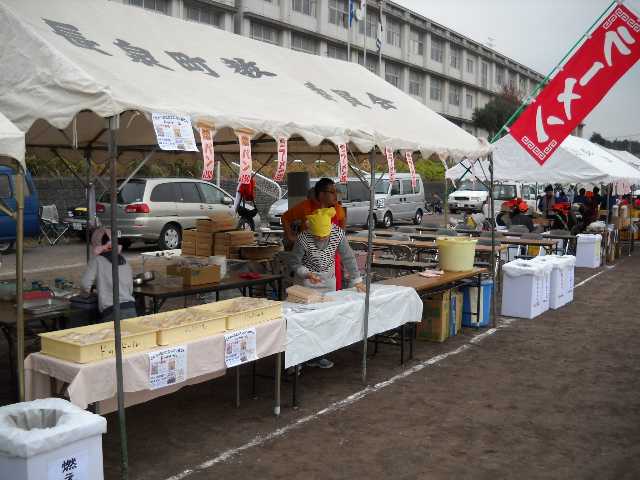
x=588, y=251
x=562, y=275
x=50, y=439
x=525, y=292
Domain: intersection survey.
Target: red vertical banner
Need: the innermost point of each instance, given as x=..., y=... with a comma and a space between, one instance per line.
x=282, y=159
x=246, y=165
x=412, y=168
x=344, y=163
x=582, y=82
x=391, y=164
x=206, y=141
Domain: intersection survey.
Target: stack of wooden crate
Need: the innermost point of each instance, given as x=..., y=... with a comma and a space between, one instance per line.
x=189, y=239
x=229, y=243
x=207, y=228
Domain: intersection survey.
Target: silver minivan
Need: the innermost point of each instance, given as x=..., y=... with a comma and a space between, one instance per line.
x=398, y=200
x=159, y=209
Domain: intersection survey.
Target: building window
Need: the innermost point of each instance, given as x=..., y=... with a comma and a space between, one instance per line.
x=454, y=94
x=199, y=12
x=308, y=7
x=469, y=101
x=437, y=49
x=303, y=43
x=416, y=80
x=264, y=33
x=435, y=92
x=393, y=33
x=470, y=65
x=512, y=80
x=393, y=74
x=157, y=5
x=456, y=55
x=523, y=85
x=372, y=26
x=339, y=13
x=484, y=77
x=417, y=42
x=372, y=62
x=500, y=81
x=333, y=51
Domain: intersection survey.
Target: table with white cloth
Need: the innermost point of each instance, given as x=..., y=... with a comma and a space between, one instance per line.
x=318, y=329
x=95, y=383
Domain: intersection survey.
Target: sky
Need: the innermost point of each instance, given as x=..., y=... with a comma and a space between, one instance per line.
x=538, y=33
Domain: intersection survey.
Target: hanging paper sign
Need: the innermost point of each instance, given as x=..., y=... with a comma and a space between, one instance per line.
x=206, y=140
x=240, y=347
x=167, y=367
x=70, y=467
x=344, y=163
x=609, y=51
x=412, y=168
x=282, y=159
x=174, y=132
x=245, y=158
x=391, y=163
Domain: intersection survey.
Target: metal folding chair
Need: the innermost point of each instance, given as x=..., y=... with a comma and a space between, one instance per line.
x=51, y=228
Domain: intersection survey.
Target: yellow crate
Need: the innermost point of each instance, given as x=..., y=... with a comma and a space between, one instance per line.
x=135, y=338
x=244, y=311
x=182, y=325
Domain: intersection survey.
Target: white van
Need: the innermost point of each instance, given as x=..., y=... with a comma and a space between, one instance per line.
x=398, y=200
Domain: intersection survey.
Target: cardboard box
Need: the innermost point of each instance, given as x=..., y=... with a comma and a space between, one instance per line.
x=192, y=276
x=455, y=313
x=189, y=236
x=188, y=249
x=435, y=318
x=217, y=222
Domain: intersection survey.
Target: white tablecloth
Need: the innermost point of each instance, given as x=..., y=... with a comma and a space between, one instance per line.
x=96, y=382
x=318, y=329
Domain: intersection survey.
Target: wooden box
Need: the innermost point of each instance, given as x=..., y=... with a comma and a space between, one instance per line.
x=244, y=312
x=182, y=325
x=195, y=275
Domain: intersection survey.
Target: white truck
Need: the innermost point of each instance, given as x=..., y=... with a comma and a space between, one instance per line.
x=473, y=196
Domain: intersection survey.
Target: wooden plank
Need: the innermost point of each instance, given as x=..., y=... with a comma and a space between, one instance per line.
x=421, y=284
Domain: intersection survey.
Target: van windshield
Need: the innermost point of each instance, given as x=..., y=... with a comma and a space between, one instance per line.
x=132, y=192
x=472, y=186
x=504, y=192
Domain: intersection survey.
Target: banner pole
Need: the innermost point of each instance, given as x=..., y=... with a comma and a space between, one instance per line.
x=540, y=85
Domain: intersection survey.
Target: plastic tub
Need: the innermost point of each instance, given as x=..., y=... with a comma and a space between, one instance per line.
x=456, y=254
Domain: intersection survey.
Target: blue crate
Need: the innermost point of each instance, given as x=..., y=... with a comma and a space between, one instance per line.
x=469, y=319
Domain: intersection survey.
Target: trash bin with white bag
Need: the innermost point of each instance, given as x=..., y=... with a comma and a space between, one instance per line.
x=50, y=439
x=526, y=288
x=562, y=278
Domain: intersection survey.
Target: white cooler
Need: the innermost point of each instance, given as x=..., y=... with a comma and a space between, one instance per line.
x=526, y=287
x=561, y=278
x=50, y=439
x=588, y=251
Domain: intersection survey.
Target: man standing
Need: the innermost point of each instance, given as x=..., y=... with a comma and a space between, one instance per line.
x=546, y=203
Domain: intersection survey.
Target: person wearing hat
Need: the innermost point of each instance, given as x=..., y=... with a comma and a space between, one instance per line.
x=99, y=274
x=546, y=203
x=519, y=215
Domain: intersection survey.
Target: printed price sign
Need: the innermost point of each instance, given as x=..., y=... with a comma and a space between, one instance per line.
x=240, y=347
x=206, y=138
x=174, y=132
x=167, y=367
x=70, y=467
x=412, y=168
x=282, y=159
x=391, y=163
x=245, y=158
x=344, y=163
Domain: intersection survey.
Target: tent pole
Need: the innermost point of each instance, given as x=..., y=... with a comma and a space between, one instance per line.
x=493, y=245
x=113, y=157
x=88, y=189
x=19, y=278
x=371, y=226
x=445, y=204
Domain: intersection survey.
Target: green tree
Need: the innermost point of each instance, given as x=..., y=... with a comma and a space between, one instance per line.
x=497, y=111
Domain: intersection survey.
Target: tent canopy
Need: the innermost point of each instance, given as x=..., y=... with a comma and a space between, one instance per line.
x=11, y=140
x=68, y=64
x=626, y=157
x=576, y=161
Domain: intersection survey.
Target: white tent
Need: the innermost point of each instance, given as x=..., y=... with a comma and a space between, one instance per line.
x=576, y=161
x=11, y=140
x=626, y=157
x=98, y=58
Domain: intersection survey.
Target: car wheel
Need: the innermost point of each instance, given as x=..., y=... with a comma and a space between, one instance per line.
x=170, y=237
x=417, y=218
x=387, y=221
x=6, y=246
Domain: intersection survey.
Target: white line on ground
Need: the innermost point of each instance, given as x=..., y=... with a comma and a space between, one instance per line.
x=587, y=280
x=351, y=399
x=44, y=269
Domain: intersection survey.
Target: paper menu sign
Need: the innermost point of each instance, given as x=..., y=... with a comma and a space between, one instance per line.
x=174, y=132
x=282, y=160
x=245, y=157
x=391, y=163
x=167, y=367
x=412, y=168
x=240, y=347
x=206, y=140
x=344, y=162
x=69, y=467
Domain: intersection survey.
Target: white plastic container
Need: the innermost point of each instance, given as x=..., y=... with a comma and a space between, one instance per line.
x=561, y=278
x=525, y=292
x=50, y=439
x=588, y=252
